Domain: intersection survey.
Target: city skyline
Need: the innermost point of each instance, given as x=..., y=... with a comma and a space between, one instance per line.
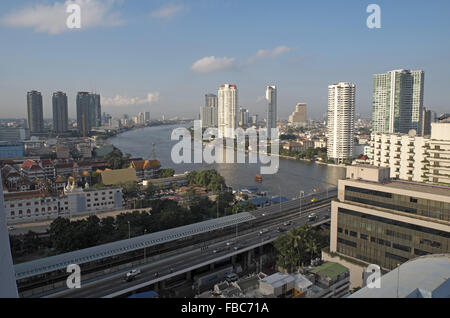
x=291, y=57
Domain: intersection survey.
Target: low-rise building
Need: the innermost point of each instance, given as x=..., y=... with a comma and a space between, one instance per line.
x=36, y=205
x=11, y=149
x=414, y=158
x=386, y=222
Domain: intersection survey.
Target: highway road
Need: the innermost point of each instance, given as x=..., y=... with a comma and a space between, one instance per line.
x=115, y=285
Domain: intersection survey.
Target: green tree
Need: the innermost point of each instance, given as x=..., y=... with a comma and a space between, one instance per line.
x=244, y=207
x=166, y=173
x=130, y=190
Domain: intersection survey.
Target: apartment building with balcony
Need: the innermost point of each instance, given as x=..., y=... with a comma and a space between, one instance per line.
x=414, y=158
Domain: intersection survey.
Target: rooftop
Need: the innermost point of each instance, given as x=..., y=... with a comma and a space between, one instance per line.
x=329, y=269
x=424, y=277
x=278, y=279
x=411, y=186
x=111, y=177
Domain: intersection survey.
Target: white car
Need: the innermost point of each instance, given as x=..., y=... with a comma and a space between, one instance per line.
x=133, y=273
x=10, y=228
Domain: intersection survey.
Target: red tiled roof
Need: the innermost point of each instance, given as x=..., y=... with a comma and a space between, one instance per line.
x=28, y=164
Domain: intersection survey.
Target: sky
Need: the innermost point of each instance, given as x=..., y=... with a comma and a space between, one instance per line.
x=164, y=56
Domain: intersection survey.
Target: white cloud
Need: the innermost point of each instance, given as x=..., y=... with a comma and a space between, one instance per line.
x=52, y=18
x=167, y=12
x=270, y=53
x=119, y=100
x=213, y=64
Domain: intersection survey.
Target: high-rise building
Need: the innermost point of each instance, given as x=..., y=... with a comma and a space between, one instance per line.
x=386, y=222
x=88, y=112
x=35, y=112
x=8, y=286
x=243, y=116
x=207, y=116
x=426, y=122
x=271, y=97
x=60, y=112
x=341, y=120
x=141, y=119
x=147, y=117
x=227, y=106
x=210, y=111
x=398, y=101
x=254, y=119
x=84, y=113
x=95, y=108
x=211, y=100
x=299, y=116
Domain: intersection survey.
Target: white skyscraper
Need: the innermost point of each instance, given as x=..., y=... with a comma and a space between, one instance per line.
x=271, y=97
x=228, y=112
x=8, y=287
x=341, y=120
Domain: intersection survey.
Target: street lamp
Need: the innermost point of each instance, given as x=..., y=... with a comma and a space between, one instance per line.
x=302, y=194
x=279, y=187
x=145, y=248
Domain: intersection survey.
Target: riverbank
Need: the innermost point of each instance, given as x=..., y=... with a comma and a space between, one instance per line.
x=292, y=177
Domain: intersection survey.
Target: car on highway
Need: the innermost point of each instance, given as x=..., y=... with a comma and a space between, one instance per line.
x=312, y=217
x=11, y=228
x=263, y=231
x=281, y=229
x=238, y=247
x=218, y=250
x=287, y=223
x=229, y=243
x=131, y=275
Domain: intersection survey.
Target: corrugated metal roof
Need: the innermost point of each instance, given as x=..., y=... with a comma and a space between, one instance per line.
x=61, y=261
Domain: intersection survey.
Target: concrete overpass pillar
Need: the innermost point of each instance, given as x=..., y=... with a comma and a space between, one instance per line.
x=261, y=250
x=249, y=257
x=211, y=267
x=233, y=260
x=189, y=275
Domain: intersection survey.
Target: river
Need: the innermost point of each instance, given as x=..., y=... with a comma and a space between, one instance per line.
x=292, y=177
